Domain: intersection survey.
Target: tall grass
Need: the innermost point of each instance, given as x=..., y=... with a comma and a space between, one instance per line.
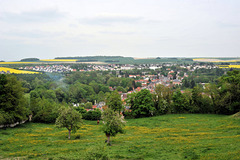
x=179, y=136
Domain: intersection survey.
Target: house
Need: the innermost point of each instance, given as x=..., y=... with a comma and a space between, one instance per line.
x=100, y=105
x=138, y=89
x=176, y=82
x=94, y=106
x=132, y=76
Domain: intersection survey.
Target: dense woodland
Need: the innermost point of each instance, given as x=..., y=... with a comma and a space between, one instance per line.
x=42, y=95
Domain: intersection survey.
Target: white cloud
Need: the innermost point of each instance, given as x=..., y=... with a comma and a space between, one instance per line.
x=120, y=27
x=110, y=19
x=39, y=16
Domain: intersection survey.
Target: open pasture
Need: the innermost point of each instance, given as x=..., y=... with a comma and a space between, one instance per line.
x=179, y=136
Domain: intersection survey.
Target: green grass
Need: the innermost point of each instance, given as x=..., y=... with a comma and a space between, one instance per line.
x=179, y=136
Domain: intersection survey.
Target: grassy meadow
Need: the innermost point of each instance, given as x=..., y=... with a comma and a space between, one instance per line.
x=179, y=136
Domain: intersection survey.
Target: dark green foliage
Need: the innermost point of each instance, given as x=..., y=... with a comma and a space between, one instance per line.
x=162, y=99
x=229, y=93
x=180, y=102
x=200, y=103
x=13, y=105
x=81, y=110
x=87, y=60
x=111, y=61
x=79, y=91
x=60, y=95
x=114, y=101
x=121, y=89
x=113, y=122
x=143, y=105
x=101, y=96
x=187, y=59
x=92, y=115
x=45, y=111
x=89, y=115
x=128, y=115
x=29, y=59
x=43, y=106
x=88, y=105
x=113, y=81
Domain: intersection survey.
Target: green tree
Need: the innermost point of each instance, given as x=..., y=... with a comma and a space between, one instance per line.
x=70, y=119
x=185, y=83
x=229, y=93
x=130, y=98
x=143, y=105
x=113, y=81
x=192, y=83
x=120, y=88
x=81, y=110
x=93, y=115
x=95, y=86
x=88, y=105
x=162, y=99
x=101, y=96
x=13, y=105
x=180, y=102
x=197, y=101
x=50, y=94
x=77, y=93
x=37, y=83
x=114, y=101
x=113, y=123
x=47, y=111
x=214, y=94
x=60, y=94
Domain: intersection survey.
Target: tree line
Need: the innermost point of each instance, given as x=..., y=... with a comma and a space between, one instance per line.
x=220, y=98
x=42, y=96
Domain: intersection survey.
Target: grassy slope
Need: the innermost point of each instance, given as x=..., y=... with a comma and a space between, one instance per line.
x=185, y=136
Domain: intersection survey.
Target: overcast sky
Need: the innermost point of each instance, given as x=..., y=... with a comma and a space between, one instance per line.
x=137, y=28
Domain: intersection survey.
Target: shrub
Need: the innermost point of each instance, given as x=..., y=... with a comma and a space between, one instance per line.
x=92, y=115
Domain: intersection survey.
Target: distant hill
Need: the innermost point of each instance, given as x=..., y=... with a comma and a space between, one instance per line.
x=29, y=60
x=90, y=57
x=106, y=59
x=127, y=60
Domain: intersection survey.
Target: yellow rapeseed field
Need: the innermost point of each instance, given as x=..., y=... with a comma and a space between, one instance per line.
x=215, y=60
x=15, y=71
x=229, y=66
x=59, y=60
x=16, y=62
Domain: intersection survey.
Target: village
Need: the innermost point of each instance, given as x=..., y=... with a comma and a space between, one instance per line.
x=173, y=75
x=146, y=81
x=49, y=68
x=114, y=67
